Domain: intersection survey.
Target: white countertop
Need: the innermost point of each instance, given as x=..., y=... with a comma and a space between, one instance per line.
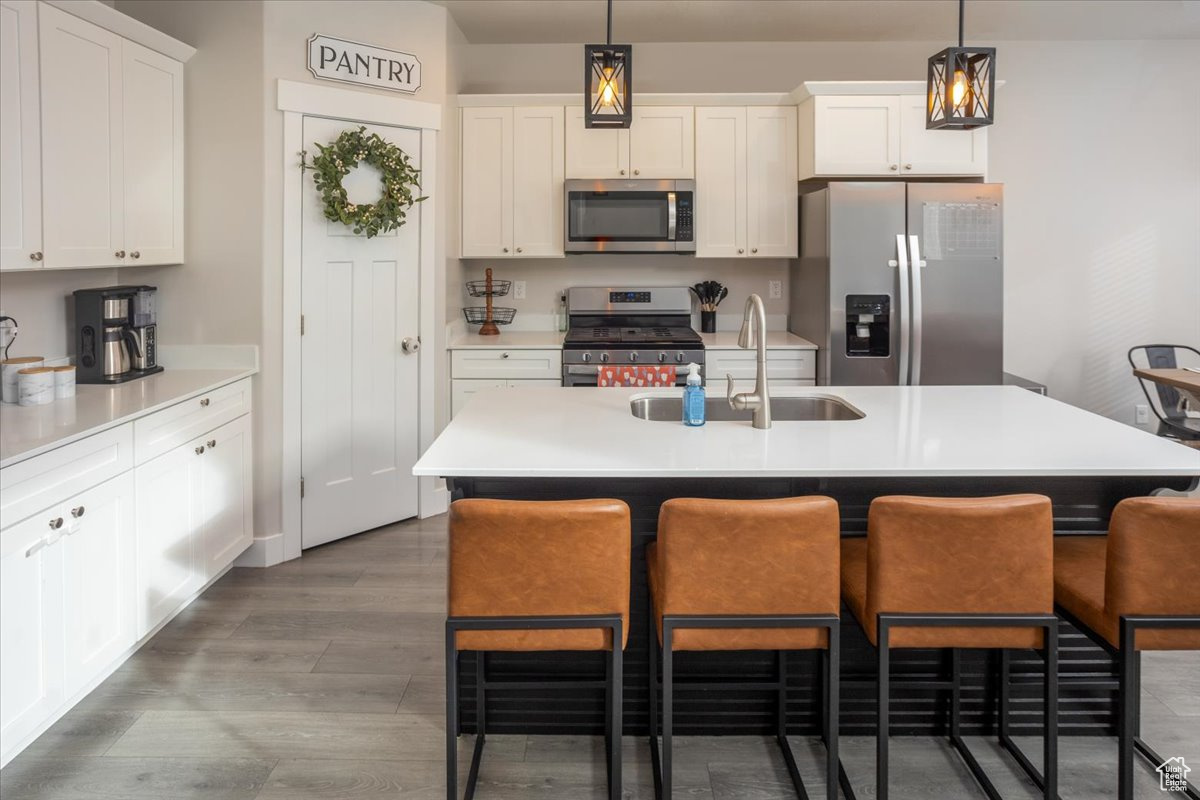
x=776, y=340
x=27, y=431
x=508, y=340
x=907, y=432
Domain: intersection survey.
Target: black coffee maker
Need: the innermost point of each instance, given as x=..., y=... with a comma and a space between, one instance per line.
x=116, y=334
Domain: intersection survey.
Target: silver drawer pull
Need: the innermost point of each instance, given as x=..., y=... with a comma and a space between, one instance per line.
x=212, y=443
x=56, y=523
x=204, y=402
x=200, y=450
x=504, y=355
x=77, y=512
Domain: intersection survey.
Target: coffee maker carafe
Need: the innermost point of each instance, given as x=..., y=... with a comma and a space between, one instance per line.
x=116, y=332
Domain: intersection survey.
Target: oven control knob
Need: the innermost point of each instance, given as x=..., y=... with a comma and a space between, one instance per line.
x=662, y=358
x=604, y=357
x=633, y=357
x=586, y=357
x=679, y=358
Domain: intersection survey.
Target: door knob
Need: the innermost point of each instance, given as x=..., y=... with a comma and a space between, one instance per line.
x=36, y=256
x=119, y=254
x=410, y=345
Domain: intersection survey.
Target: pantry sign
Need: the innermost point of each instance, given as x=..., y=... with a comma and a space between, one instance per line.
x=334, y=59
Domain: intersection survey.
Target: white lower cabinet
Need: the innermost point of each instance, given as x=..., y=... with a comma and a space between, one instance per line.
x=122, y=541
x=194, y=509
x=462, y=390
x=66, y=603
x=785, y=367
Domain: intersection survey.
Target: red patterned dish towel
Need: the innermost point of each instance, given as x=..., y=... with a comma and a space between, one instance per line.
x=635, y=376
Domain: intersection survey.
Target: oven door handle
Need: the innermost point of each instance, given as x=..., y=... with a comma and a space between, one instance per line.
x=670, y=216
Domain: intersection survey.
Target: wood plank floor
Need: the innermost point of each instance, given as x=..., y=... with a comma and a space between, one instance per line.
x=322, y=679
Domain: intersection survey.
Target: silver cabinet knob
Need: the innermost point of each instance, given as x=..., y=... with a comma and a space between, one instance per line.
x=637, y=172
x=519, y=250
x=633, y=357
x=604, y=358
x=740, y=251
x=212, y=443
x=135, y=254
x=622, y=172
x=893, y=167
x=37, y=256
x=908, y=166
x=662, y=358
x=77, y=512
x=753, y=249
x=679, y=358
x=119, y=254
x=586, y=357
x=200, y=450
x=410, y=345
x=504, y=355
x=204, y=402
x=56, y=523
x=504, y=249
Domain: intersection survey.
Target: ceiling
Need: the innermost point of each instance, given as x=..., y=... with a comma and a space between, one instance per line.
x=580, y=21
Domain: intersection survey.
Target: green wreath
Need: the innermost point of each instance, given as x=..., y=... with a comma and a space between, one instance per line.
x=336, y=160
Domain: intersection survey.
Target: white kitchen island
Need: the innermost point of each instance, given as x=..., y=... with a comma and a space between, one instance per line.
x=561, y=443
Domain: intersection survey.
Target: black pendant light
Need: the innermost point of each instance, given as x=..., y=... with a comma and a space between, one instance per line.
x=607, y=83
x=961, y=85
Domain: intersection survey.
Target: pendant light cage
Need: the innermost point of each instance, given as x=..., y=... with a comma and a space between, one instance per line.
x=608, y=90
x=962, y=88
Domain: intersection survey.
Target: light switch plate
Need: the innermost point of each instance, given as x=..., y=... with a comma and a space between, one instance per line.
x=774, y=289
x=518, y=290
x=1142, y=414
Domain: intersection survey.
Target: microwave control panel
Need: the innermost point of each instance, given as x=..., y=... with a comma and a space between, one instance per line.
x=683, y=217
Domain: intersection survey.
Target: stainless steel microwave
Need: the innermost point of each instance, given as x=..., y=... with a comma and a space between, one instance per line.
x=639, y=216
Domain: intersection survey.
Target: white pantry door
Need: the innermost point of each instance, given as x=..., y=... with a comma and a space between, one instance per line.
x=359, y=399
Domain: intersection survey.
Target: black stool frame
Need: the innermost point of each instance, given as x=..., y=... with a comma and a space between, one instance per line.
x=1129, y=659
x=830, y=667
x=1047, y=783
x=612, y=685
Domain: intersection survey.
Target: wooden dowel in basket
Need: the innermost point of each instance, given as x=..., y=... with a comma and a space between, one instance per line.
x=489, y=327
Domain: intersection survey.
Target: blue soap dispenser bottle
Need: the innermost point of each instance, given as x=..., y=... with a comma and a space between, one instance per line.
x=693, y=398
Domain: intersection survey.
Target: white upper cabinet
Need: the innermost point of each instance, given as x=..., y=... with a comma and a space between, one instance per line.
x=720, y=182
x=662, y=142
x=91, y=140
x=81, y=142
x=595, y=152
x=659, y=144
x=853, y=135
x=746, y=182
x=537, y=181
x=512, y=182
x=20, y=138
x=937, y=152
x=153, y=157
x=882, y=135
x=772, y=213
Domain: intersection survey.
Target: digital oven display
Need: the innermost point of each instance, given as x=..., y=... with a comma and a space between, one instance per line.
x=629, y=297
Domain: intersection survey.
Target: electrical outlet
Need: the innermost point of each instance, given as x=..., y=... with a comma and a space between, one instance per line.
x=518, y=290
x=774, y=289
x=1141, y=414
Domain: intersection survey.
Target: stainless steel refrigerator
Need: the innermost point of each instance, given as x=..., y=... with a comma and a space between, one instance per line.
x=902, y=283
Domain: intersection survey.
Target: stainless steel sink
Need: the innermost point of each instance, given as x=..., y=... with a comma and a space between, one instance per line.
x=812, y=407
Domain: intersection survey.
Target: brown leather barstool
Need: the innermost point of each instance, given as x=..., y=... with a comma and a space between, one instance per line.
x=745, y=575
x=958, y=573
x=1138, y=581
x=536, y=576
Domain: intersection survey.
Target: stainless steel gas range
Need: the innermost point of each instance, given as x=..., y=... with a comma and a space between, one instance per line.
x=615, y=326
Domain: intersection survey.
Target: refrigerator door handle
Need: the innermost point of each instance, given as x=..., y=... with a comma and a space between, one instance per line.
x=915, y=317
x=905, y=317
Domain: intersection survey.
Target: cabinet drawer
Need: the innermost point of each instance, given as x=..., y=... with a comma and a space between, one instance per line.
x=741, y=364
x=506, y=364
x=40, y=482
x=163, y=430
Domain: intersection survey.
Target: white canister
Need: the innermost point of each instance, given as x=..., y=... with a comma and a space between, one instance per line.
x=64, y=381
x=9, y=368
x=35, y=386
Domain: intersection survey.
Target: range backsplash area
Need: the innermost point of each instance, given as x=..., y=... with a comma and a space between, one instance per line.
x=546, y=278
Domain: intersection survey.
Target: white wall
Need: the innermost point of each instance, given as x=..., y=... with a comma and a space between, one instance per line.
x=42, y=305
x=1097, y=143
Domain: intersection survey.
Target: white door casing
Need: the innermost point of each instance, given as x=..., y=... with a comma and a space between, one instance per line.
x=20, y=138
x=360, y=391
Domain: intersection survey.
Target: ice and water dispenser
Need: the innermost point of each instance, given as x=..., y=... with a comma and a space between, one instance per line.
x=867, y=319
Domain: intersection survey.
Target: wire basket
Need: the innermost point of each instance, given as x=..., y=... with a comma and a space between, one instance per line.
x=479, y=288
x=477, y=315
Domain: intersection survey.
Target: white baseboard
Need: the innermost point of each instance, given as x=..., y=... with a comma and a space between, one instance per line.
x=435, y=502
x=265, y=551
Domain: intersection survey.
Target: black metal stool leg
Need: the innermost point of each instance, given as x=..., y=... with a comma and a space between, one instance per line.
x=451, y=717
x=480, y=724
x=1129, y=711
x=655, y=762
x=667, y=704
x=1050, y=707
x=616, y=668
x=881, y=734
x=833, y=764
